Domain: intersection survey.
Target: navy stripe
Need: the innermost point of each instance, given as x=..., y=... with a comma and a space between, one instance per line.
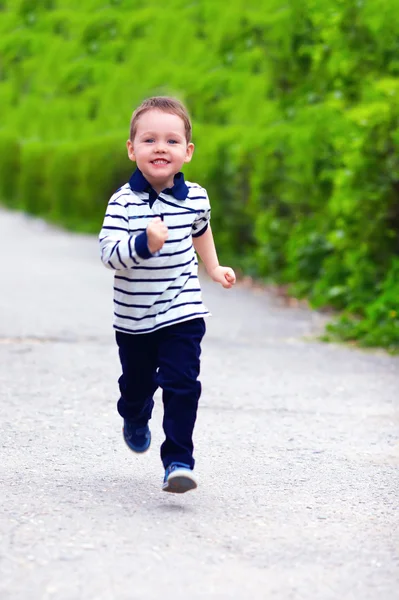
x=187, y=225
x=119, y=257
x=111, y=265
x=146, y=216
x=136, y=262
x=196, y=197
x=178, y=239
x=179, y=226
x=115, y=228
x=175, y=253
x=117, y=217
x=168, y=301
x=113, y=248
x=126, y=193
x=187, y=209
x=201, y=232
x=148, y=329
x=165, y=268
x=139, y=280
x=162, y=312
x=137, y=305
x=180, y=287
x=172, y=287
x=142, y=293
x=146, y=305
x=138, y=293
x=144, y=280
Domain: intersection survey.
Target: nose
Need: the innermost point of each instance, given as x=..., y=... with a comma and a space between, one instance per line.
x=160, y=146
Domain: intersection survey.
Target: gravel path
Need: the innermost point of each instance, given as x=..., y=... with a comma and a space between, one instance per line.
x=297, y=449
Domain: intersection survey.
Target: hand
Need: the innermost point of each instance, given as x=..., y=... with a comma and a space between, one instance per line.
x=157, y=234
x=223, y=275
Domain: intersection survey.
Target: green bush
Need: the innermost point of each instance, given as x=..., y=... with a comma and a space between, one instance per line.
x=379, y=325
x=296, y=124
x=10, y=157
x=33, y=193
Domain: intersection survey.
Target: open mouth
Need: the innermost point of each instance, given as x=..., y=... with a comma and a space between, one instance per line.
x=160, y=161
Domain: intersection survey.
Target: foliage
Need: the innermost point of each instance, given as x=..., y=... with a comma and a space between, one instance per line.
x=296, y=112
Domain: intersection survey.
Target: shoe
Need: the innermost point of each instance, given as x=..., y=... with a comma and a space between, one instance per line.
x=137, y=438
x=179, y=478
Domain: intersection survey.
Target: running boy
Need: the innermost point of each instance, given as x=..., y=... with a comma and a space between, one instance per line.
x=153, y=228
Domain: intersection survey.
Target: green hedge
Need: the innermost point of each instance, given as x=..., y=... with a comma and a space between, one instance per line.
x=295, y=108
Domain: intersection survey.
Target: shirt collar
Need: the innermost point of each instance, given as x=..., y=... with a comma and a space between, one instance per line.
x=138, y=183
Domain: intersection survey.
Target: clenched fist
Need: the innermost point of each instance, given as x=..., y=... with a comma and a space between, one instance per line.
x=223, y=275
x=157, y=234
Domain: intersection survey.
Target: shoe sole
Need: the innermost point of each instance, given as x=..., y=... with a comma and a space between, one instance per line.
x=179, y=483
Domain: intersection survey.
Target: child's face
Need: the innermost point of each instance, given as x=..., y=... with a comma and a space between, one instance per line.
x=160, y=148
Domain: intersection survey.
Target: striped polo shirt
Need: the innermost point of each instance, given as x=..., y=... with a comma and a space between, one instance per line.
x=154, y=290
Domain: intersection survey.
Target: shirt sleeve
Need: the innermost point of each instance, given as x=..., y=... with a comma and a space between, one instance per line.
x=119, y=248
x=202, y=218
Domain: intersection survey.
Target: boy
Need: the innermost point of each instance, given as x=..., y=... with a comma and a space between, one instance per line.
x=153, y=227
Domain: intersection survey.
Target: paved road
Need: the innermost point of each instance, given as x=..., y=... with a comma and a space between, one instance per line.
x=297, y=449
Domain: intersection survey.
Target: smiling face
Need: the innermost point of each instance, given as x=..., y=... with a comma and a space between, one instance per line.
x=160, y=147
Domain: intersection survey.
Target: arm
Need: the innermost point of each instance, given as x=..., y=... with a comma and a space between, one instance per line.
x=205, y=247
x=122, y=250
x=116, y=244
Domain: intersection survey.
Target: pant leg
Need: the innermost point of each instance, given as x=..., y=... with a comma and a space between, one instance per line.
x=179, y=366
x=137, y=384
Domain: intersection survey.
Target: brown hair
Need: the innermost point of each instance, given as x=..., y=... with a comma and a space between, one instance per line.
x=165, y=104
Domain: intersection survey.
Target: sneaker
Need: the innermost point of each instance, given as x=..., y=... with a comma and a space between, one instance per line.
x=179, y=478
x=137, y=438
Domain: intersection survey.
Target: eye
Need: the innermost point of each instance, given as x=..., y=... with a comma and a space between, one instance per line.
x=149, y=141
x=173, y=142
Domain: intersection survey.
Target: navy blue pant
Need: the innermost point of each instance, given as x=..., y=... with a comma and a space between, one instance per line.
x=168, y=358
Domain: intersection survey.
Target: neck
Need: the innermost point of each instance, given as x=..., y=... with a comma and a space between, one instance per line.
x=159, y=186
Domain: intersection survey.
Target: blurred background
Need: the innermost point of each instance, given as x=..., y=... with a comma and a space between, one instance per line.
x=296, y=124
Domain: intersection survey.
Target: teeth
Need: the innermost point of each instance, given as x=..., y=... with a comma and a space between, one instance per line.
x=160, y=162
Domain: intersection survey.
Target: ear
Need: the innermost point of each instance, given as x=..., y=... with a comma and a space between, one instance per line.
x=189, y=152
x=130, y=151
